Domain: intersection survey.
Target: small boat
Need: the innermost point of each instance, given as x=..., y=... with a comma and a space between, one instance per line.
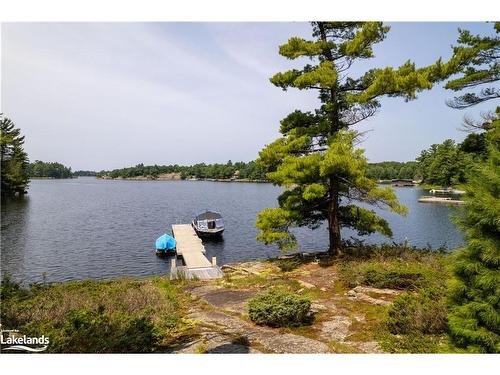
x=165, y=244
x=208, y=224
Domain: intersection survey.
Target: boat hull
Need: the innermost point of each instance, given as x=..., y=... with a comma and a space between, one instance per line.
x=208, y=233
x=160, y=252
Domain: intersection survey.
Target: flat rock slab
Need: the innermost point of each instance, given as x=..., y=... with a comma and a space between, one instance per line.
x=270, y=339
x=222, y=298
x=233, y=300
x=367, y=346
x=216, y=343
x=336, y=329
x=366, y=298
x=201, y=290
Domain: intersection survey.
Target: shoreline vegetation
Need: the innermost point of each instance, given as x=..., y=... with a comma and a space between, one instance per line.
x=441, y=165
x=353, y=297
x=371, y=299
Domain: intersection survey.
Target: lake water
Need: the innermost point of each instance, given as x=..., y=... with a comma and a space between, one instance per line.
x=90, y=228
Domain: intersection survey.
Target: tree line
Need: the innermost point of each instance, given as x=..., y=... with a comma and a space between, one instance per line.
x=443, y=164
x=241, y=170
x=390, y=170
x=40, y=169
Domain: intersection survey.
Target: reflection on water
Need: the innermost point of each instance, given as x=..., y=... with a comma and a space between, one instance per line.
x=90, y=228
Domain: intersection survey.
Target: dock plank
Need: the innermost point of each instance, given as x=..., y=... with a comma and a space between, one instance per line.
x=190, y=247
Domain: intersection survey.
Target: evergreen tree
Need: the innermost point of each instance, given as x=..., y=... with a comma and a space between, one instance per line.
x=477, y=59
x=474, y=319
x=444, y=164
x=14, y=161
x=315, y=158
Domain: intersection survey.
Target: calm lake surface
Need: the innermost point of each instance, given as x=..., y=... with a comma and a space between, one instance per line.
x=90, y=228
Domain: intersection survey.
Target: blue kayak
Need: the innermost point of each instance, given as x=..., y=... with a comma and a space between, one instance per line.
x=165, y=243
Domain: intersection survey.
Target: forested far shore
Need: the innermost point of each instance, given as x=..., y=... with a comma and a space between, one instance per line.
x=441, y=164
x=238, y=170
x=40, y=169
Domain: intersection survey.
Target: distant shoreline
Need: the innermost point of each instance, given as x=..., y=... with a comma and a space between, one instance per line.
x=52, y=178
x=178, y=178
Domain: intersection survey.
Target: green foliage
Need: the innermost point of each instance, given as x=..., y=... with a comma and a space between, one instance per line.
x=475, y=294
x=474, y=319
x=316, y=159
x=391, y=170
x=276, y=308
x=241, y=170
x=444, y=164
x=14, y=161
x=85, y=173
x=422, y=312
x=416, y=323
x=287, y=265
x=413, y=343
x=475, y=144
x=96, y=316
x=395, y=267
x=476, y=60
x=49, y=170
x=394, y=275
x=95, y=331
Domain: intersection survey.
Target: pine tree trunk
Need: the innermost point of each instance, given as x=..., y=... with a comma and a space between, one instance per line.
x=333, y=220
x=333, y=207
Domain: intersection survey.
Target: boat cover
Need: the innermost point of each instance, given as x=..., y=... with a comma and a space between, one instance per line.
x=165, y=242
x=208, y=215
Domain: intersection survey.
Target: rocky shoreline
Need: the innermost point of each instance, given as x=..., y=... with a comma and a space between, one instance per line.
x=352, y=298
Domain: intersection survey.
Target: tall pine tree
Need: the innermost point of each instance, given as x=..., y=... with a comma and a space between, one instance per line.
x=474, y=319
x=14, y=161
x=315, y=159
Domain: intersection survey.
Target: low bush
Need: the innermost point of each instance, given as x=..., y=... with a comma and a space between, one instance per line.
x=277, y=308
x=413, y=343
x=422, y=312
x=396, y=274
x=96, y=331
x=287, y=265
x=118, y=316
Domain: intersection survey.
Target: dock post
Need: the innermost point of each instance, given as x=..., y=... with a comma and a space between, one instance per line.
x=173, y=264
x=214, y=261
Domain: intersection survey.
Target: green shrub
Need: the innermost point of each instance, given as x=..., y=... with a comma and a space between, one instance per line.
x=95, y=331
x=277, y=308
x=412, y=343
x=396, y=274
x=116, y=316
x=287, y=265
x=422, y=312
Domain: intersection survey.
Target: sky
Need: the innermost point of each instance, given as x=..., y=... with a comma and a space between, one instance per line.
x=99, y=96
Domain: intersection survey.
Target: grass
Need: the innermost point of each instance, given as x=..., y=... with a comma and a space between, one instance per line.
x=120, y=315
x=394, y=268
x=416, y=322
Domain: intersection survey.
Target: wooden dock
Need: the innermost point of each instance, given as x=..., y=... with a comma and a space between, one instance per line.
x=439, y=200
x=192, y=251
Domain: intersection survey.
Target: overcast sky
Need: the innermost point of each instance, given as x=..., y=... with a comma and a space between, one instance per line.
x=109, y=95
